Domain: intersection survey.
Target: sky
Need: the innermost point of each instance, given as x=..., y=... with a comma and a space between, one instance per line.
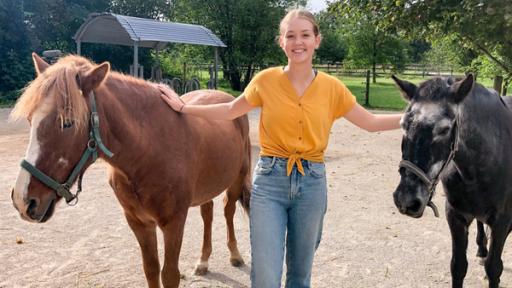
x=316, y=5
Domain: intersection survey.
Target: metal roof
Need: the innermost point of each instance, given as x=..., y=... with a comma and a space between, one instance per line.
x=117, y=29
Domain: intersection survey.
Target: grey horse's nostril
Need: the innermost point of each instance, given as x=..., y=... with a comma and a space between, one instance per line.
x=414, y=205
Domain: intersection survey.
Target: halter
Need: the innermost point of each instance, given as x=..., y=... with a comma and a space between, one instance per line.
x=432, y=183
x=91, y=151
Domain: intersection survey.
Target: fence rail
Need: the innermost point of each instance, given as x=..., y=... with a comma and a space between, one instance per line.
x=414, y=70
x=339, y=69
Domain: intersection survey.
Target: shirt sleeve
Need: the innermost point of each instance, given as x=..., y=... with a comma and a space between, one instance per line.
x=344, y=100
x=251, y=92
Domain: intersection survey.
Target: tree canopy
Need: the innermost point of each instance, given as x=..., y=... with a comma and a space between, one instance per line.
x=15, y=46
x=248, y=28
x=479, y=24
x=360, y=32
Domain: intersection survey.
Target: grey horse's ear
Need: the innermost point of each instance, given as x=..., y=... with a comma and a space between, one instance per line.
x=461, y=89
x=406, y=88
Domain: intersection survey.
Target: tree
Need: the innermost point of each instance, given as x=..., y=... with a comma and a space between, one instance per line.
x=15, y=65
x=28, y=25
x=418, y=48
x=53, y=23
x=121, y=57
x=445, y=52
x=368, y=44
x=333, y=47
x=247, y=27
x=152, y=9
x=480, y=24
x=369, y=47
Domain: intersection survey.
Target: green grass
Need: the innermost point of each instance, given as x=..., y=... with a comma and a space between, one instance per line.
x=7, y=99
x=6, y=104
x=384, y=94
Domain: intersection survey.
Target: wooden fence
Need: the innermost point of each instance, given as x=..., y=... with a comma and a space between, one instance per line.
x=412, y=70
x=338, y=69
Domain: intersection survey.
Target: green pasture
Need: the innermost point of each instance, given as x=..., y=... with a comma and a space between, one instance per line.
x=384, y=94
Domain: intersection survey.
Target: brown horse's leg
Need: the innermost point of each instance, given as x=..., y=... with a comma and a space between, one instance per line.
x=146, y=235
x=173, y=236
x=206, y=251
x=232, y=195
x=145, y=231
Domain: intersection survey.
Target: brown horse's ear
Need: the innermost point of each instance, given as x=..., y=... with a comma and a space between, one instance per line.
x=94, y=77
x=406, y=88
x=39, y=64
x=461, y=89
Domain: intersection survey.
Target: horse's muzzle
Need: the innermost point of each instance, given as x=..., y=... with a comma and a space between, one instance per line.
x=41, y=212
x=411, y=206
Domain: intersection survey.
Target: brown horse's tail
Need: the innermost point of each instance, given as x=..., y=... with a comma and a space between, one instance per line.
x=245, y=198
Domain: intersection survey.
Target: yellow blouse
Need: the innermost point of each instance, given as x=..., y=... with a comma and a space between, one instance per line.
x=296, y=127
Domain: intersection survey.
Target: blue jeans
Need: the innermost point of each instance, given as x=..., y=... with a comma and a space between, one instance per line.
x=293, y=206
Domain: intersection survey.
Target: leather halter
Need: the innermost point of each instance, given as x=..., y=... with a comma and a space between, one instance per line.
x=432, y=183
x=91, y=151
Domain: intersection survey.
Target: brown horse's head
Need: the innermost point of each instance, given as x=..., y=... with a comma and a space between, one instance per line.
x=56, y=106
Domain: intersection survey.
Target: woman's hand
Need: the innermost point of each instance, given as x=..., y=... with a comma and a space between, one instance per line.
x=171, y=98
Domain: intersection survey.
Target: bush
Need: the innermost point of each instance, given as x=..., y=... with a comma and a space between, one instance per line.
x=9, y=98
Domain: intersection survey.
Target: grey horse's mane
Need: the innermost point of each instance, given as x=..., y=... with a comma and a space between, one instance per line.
x=437, y=89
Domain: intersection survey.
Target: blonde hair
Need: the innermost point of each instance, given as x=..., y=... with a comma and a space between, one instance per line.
x=299, y=13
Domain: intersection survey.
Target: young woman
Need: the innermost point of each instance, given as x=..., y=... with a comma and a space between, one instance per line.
x=289, y=192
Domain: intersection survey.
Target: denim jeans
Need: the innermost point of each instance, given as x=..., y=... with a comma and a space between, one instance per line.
x=286, y=211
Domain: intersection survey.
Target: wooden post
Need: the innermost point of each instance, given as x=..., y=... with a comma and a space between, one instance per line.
x=505, y=86
x=215, y=60
x=136, y=59
x=498, y=83
x=184, y=71
x=367, y=90
x=78, y=47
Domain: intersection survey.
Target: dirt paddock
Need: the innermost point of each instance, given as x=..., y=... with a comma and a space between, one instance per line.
x=366, y=242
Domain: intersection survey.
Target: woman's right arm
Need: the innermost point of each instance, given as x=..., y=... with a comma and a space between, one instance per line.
x=221, y=111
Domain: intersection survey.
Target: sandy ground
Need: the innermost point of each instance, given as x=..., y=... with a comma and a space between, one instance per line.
x=366, y=242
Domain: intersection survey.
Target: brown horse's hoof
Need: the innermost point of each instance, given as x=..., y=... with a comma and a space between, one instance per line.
x=200, y=271
x=237, y=262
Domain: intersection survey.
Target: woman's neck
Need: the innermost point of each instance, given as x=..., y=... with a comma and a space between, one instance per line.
x=299, y=72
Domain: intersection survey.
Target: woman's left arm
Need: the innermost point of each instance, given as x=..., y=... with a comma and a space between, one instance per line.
x=368, y=121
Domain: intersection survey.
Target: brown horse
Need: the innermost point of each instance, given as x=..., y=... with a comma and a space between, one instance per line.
x=160, y=162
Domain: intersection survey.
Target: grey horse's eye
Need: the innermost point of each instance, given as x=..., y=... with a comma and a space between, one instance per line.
x=443, y=131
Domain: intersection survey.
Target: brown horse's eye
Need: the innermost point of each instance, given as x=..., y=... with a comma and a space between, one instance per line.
x=67, y=124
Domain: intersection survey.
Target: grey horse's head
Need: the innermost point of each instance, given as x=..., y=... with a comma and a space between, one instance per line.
x=429, y=127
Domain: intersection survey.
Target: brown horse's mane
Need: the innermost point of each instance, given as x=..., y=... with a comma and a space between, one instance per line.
x=60, y=82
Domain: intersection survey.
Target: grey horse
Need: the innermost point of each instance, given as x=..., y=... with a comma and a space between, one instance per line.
x=459, y=132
